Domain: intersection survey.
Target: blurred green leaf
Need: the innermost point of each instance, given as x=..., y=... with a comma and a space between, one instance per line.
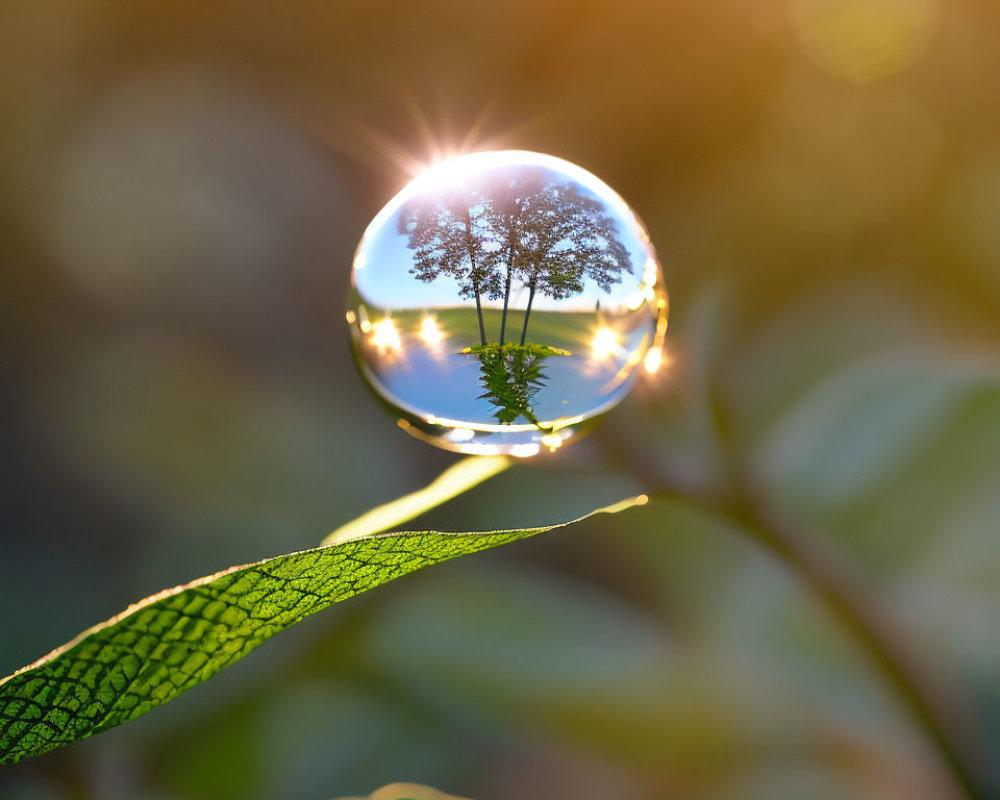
x=855, y=430
x=171, y=641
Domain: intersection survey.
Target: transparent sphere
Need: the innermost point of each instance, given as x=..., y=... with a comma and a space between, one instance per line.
x=501, y=300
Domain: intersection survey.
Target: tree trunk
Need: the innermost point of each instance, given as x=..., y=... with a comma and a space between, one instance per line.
x=527, y=312
x=511, y=245
x=475, y=283
x=479, y=311
x=506, y=295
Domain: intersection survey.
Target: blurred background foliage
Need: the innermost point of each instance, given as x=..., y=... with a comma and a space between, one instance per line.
x=182, y=186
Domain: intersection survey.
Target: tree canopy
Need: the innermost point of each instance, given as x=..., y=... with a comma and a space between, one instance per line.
x=449, y=236
x=514, y=224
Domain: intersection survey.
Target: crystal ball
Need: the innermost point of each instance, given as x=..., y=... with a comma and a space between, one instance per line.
x=503, y=300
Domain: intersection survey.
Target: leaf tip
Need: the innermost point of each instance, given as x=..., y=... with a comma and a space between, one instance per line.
x=623, y=505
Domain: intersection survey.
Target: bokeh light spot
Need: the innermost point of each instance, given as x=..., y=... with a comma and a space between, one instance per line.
x=864, y=40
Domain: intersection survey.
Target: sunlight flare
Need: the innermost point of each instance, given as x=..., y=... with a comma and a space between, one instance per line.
x=430, y=332
x=653, y=360
x=385, y=336
x=604, y=344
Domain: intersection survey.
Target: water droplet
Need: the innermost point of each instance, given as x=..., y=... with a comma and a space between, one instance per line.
x=501, y=300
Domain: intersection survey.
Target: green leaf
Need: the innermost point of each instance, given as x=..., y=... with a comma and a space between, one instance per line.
x=171, y=641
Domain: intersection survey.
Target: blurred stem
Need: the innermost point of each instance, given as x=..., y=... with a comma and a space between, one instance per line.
x=936, y=705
